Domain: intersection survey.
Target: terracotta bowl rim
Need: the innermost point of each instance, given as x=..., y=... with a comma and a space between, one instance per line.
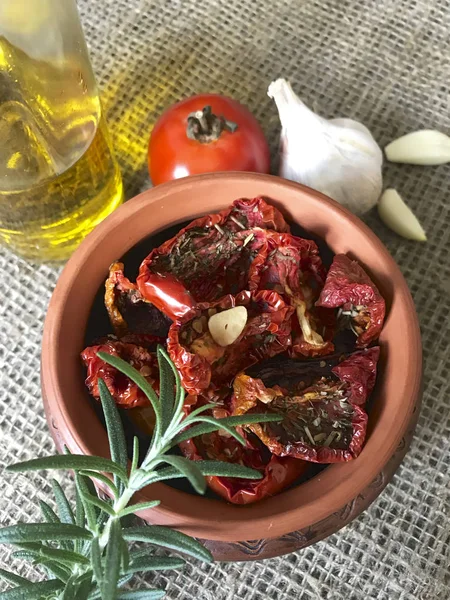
x=232, y=523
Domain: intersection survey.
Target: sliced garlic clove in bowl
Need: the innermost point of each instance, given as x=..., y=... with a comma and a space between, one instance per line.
x=225, y=327
x=399, y=217
x=424, y=147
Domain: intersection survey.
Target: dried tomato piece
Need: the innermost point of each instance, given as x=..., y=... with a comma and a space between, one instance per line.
x=324, y=422
x=209, y=258
x=202, y=362
x=257, y=213
x=145, y=340
x=306, y=339
x=278, y=473
x=125, y=393
x=288, y=372
x=362, y=308
x=128, y=312
x=294, y=269
x=291, y=262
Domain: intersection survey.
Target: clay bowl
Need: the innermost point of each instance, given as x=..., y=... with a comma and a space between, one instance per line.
x=303, y=514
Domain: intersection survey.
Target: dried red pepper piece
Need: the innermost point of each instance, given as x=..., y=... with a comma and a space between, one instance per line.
x=202, y=362
x=128, y=312
x=125, y=393
x=349, y=288
x=294, y=269
x=324, y=422
x=209, y=258
x=278, y=473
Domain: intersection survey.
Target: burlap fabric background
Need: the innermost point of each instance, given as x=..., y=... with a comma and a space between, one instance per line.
x=385, y=63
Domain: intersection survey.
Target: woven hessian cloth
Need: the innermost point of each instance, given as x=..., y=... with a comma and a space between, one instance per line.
x=385, y=63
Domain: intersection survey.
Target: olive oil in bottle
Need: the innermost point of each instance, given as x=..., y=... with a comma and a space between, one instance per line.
x=58, y=175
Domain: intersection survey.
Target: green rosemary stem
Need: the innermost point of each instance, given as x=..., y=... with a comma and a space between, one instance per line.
x=129, y=491
x=104, y=538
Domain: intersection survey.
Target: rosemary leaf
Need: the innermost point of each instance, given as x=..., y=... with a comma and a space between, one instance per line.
x=64, y=557
x=24, y=555
x=70, y=591
x=112, y=562
x=142, y=595
x=30, y=545
x=36, y=532
x=96, y=560
x=12, y=578
x=206, y=427
x=84, y=586
x=222, y=424
x=137, y=507
x=84, y=486
x=65, y=511
x=211, y=468
x=55, y=569
x=125, y=555
x=76, y=462
x=188, y=469
x=247, y=419
x=209, y=424
x=104, y=479
x=116, y=436
x=179, y=392
x=80, y=517
x=95, y=594
x=135, y=461
x=199, y=410
x=32, y=591
x=166, y=389
x=161, y=475
x=48, y=513
x=223, y=469
x=78, y=587
x=169, y=538
x=154, y=563
x=140, y=381
x=98, y=502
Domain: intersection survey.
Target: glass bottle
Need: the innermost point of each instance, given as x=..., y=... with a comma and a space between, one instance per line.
x=58, y=175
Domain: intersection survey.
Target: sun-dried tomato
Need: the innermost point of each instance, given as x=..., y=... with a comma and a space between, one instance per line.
x=209, y=258
x=202, y=362
x=293, y=268
x=362, y=308
x=324, y=422
x=278, y=473
x=128, y=312
x=125, y=393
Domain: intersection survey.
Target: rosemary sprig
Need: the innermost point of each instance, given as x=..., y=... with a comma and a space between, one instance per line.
x=84, y=550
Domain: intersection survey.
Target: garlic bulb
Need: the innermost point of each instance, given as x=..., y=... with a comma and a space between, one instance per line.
x=337, y=157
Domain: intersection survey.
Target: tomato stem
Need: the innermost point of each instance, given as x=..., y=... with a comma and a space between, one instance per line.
x=204, y=126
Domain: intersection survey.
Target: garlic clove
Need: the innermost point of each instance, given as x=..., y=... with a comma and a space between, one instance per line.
x=399, y=217
x=225, y=327
x=424, y=147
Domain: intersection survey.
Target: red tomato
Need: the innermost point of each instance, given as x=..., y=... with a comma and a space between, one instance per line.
x=206, y=133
